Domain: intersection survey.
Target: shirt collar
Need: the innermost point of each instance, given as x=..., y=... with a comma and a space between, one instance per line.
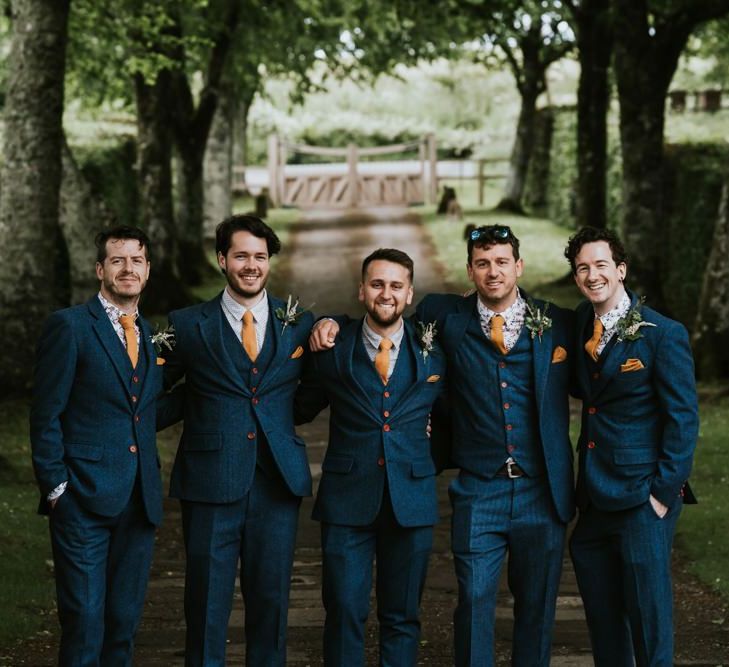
x=515, y=310
x=237, y=310
x=374, y=338
x=113, y=311
x=610, y=319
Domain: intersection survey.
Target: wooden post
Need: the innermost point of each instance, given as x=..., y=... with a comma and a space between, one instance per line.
x=432, y=169
x=481, y=181
x=273, y=192
x=352, y=174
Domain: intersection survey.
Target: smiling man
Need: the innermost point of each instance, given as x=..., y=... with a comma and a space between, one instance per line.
x=240, y=470
x=92, y=431
x=639, y=430
x=376, y=499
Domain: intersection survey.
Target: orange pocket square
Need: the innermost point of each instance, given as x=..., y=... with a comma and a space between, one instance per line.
x=631, y=365
x=161, y=361
x=559, y=354
x=433, y=378
x=297, y=352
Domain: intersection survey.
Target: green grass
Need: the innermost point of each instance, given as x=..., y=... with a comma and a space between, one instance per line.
x=26, y=580
x=702, y=533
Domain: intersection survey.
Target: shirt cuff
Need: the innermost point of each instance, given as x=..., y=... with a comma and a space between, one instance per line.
x=57, y=492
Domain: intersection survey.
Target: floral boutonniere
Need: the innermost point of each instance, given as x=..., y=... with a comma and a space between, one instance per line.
x=536, y=320
x=426, y=337
x=628, y=327
x=164, y=338
x=290, y=314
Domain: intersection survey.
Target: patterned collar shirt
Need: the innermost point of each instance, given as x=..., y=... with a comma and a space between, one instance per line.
x=514, y=317
x=114, y=313
x=371, y=340
x=610, y=320
x=234, y=312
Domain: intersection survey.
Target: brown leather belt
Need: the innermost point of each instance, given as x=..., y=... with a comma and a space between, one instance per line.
x=510, y=470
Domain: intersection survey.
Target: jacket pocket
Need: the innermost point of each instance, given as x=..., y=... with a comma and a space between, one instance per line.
x=79, y=450
x=202, y=442
x=634, y=456
x=423, y=468
x=337, y=464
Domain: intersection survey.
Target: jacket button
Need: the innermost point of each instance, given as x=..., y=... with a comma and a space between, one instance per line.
x=506, y=406
x=253, y=389
x=380, y=462
x=135, y=379
x=595, y=376
x=134, y=399
x=254, y=401
x=136, y=418
x=591, y=445
x=251, y=435
x=504, y=385
x=386, y=427
x=133, y=449
x=254, y=370
x=591, y=410
x=502, y=364
x=509, y=427
x=386, y=413
x=386, y=394
x=510, y=448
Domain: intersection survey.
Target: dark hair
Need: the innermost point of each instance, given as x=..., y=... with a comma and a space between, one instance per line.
x=120, y=232
x=389, y=255
x=245, y=223
x=488, y=235
x=592, y=235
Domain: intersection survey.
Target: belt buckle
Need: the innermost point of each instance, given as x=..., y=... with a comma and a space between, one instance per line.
x=509, y=473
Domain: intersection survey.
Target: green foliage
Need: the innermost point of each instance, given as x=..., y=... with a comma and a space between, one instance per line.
x=109, y=169
x=701, y=532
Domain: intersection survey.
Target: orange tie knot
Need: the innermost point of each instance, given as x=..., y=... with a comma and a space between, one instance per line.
x=130, y=337
x=497, y=333
x=591, y=345
x=382, y=359
x=248, y=336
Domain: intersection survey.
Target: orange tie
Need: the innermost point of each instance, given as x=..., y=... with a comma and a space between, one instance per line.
x=248, y=336
x=497, y=333
x=591, y=345
x=382, y=359
x=130, y=335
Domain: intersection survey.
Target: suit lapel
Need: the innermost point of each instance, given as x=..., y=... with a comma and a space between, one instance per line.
x=147, y=348
x=457, y=323
x=542, y=359
x=344, y=350
x=411, y=345
x=280, y=341
x=211, y=332
x=110, y=342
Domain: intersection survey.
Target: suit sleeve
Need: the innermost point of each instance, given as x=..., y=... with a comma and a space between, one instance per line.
x=675, y=386
x=54, y=375
x=171, y=402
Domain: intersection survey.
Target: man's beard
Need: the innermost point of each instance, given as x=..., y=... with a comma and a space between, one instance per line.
x=246, y=293
x=382, y=321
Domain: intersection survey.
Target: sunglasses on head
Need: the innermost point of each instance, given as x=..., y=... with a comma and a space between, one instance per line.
x=493, y=233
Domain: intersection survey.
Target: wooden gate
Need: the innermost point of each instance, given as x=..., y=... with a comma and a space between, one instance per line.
x=353, y=183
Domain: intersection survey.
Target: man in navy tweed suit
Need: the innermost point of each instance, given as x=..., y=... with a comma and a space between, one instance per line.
x=93, y=439
x=639, y=429
x=240, y=470
x=376, y=498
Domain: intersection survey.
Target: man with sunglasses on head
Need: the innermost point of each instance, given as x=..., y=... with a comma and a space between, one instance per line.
x=508, y=362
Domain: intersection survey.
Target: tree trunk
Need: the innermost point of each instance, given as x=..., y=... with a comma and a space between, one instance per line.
x=81, y=217
x=34, y=277
x=218, y=166
x=165, y=289
x=710, y=339
x=644, y=67
x=594, y=40
x=521, y=151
